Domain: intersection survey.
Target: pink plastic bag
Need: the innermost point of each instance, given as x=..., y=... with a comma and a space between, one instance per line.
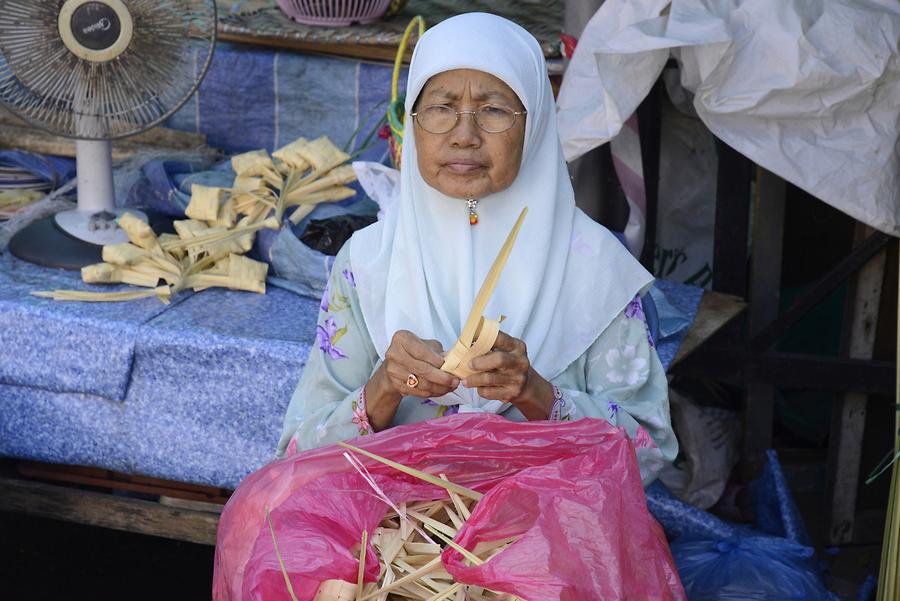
x=572, y=491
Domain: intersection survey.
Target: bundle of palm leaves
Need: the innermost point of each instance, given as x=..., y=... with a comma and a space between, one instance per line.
x=889, y=573
x=208, y=247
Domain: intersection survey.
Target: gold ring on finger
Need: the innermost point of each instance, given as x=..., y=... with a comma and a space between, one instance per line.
x=412, y=381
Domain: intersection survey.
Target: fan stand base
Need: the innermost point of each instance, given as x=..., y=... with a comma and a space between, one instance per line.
x=96, y=227
x=46, y=244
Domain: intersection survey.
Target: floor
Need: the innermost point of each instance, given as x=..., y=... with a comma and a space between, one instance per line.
x=847, y=566
x=44, y=559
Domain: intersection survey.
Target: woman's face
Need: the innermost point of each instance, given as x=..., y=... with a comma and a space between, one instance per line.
x=468, y=162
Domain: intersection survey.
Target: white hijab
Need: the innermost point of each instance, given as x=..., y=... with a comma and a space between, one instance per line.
x=420, y=267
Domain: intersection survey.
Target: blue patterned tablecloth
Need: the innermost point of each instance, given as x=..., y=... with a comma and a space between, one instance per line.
x=194, y=392
x=63, y=347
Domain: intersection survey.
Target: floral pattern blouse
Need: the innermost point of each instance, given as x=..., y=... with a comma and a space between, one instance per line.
x=619, y=378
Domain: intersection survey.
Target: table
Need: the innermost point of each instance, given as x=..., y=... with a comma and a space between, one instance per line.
x=194, y=391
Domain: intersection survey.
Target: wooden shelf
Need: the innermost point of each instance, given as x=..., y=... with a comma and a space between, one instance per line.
x=107, y=511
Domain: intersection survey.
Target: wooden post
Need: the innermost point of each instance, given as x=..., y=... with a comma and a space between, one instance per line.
x=849, y=413
x=765, y=285
x=649, y=116
x=732, y=222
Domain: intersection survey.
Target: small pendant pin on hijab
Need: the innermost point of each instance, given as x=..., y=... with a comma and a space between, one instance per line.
x=472, y=205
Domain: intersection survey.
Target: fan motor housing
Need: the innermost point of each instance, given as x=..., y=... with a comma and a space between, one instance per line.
x=96, y=30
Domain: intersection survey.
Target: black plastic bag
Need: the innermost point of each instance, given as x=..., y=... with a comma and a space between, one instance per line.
x=329, y=235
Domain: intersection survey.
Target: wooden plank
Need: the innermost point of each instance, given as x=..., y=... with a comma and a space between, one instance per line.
x=861, y=254
x=845, y=449
x=766, y=254
x=101, y=478
x=765, y=286
x=849, y=414
x=356, y=51
x=181, y=503
x=365, y=52
x=107, y=511
x=790, y=370
x=714, y=312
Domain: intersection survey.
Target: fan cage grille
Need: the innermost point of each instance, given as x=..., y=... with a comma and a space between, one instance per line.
x=47, y=85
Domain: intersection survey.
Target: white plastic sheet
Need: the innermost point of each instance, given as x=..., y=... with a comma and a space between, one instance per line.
x=686, y=215
x=380, y=182
x=709, y=440
x=808, y=89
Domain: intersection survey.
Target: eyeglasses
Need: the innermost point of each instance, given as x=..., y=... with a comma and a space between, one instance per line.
x=440, y=118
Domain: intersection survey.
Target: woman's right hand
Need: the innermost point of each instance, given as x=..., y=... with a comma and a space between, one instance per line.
x=407, y=355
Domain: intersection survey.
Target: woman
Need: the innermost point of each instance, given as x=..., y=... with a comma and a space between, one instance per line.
x=483, y=145
x=574, y=343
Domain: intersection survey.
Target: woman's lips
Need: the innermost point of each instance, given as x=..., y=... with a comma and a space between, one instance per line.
x=463, y=166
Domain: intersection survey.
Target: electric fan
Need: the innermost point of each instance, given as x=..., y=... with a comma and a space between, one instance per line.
x=97, y=70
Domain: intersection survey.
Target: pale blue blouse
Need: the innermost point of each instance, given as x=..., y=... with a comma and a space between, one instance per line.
x=619, y=378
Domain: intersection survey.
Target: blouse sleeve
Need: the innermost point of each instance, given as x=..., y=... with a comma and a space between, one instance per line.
x=625, y=384
x=328, y=404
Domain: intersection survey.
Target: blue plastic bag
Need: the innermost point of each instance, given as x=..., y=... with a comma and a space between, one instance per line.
x=776, y=511
x=55, y=171
x=753, y=568
x=720, y=561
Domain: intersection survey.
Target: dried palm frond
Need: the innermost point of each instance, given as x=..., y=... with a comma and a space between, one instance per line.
x=410, y=561
x=221, y=226
x=479, y=334
x=12, y=201
x=171, y=265
x=291, y=157
x=889, y=571
x=206, y=203
x=308, y=174
x=257, y=163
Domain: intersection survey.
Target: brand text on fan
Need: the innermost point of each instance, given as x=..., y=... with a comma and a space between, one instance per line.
x=101, y=25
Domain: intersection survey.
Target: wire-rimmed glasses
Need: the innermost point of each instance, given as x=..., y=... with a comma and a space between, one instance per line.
x=440, y=118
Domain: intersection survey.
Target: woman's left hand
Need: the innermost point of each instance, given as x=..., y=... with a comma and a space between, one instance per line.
x=505, y=374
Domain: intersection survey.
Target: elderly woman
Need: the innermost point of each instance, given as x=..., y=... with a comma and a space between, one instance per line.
x=575, y=344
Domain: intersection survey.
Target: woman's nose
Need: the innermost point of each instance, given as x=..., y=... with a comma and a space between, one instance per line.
x=466, y=132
